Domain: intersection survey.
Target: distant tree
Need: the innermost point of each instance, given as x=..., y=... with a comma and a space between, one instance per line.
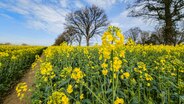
x=179, y=38
x=157, y=36
x=24, y=44
x=7, y=43
x=60, y=39
x=67, y=36
x=168, y=12
x=144, y=36
x=88, y=22
x=75, y=35
x=133, y=33
x=78, y=38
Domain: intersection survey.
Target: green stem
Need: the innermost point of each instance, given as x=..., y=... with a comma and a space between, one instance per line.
x=50, y=80
x=159, y=84
x=80, y=89
x=104, y=88
x=71, y=97
x=113, y=90
x=93, y=93
x=116, y=83
x=178, y=84
x=168, y=92
x=139, y=93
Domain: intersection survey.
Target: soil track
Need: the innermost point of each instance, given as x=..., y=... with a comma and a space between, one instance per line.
x=29, y=78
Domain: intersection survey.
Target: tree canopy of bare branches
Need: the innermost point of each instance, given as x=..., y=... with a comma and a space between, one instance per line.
x=133, y=33
x=67, y=36
x=87, y=22
x=168, y=12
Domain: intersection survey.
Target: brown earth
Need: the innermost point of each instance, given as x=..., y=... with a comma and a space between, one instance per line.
x=28, y=78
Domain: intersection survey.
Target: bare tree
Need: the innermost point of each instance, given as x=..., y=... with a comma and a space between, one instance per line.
x=144, y=36
x=179, y=36
x=75, y=35
x=24, y=44
x=168, y=12
x=60, y=39
x=157, y=37
x=88, y=22
x=133, y=33
x=67, y=36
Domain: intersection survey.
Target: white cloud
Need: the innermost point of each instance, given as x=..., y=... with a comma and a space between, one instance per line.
x=79, y=4
x=6, y=16
x=125, y=22
x=102, y=3
x=63, y=3
x=51, y=16
x=122, y=20
x=40, y=14
x=105, y=4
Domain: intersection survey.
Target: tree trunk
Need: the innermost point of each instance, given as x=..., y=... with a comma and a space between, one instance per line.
x=80, y=43
x=87, y=41
x=168, y=24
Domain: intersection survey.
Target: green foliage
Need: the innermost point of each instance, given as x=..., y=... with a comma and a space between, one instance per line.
x=156, y=75
x=14, y=61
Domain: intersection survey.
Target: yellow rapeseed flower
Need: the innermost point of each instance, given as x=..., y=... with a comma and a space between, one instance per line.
x=126, y=74
x=77, y=74
x=116, y=64
x=148, y=84
x=69, y=89
x=104, y=71
x=13, y=57
x=122, y=54
x=81, y=96
x=115, y=75
x=21, y=88
x=119, y=101
x=122, y=76
x=104, y=65
x=162, y=61
x=142, y=66
x=173, y=74
x=58, y=98
x=148, y=77
x=46, y=71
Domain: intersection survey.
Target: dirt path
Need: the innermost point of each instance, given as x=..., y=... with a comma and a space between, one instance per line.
x=29, y=78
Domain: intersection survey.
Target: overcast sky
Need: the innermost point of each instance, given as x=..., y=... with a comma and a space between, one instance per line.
x=39, y=22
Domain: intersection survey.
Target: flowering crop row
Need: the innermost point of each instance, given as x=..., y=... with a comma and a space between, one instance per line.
x=9, y=48
x=14, y=60
x=111, y=73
